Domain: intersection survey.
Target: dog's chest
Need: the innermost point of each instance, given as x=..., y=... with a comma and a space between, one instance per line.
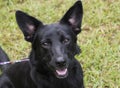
x=61, y=84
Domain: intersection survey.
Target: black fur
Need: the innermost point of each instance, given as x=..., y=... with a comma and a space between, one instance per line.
x=52, y=63
x=3, y=57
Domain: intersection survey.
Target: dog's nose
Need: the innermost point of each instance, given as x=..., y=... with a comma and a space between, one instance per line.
x=60, y=62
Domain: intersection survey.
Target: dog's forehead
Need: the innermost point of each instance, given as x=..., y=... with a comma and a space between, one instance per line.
x=54, y=30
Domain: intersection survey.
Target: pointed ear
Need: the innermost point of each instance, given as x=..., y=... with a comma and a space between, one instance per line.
x=27, y=24
x=73, y=17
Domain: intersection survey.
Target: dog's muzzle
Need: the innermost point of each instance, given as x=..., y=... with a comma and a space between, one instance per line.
x=61, y=68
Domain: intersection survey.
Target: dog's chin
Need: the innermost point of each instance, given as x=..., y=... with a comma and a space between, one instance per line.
x=61, y=73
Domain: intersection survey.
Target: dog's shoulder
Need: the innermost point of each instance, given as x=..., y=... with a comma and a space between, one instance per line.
x=17, y=69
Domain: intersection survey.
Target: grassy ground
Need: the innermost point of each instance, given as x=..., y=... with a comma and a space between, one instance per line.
x=99, y=40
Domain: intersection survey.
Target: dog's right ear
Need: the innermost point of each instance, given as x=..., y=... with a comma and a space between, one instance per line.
x=27, y=24
x=73, y=17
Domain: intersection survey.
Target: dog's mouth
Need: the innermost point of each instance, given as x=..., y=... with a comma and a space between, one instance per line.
x=61, y=73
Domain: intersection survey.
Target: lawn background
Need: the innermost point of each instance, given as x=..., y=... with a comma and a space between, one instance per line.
x=99, y=39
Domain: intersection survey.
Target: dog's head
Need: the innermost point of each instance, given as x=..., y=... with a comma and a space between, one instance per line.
x=53, y=45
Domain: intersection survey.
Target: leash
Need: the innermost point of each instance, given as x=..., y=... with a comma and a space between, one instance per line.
x=12, y=62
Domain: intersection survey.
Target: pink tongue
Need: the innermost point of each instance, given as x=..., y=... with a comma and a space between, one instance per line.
x=61, y=72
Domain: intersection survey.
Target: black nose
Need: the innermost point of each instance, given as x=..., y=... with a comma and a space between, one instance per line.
x=60, y=62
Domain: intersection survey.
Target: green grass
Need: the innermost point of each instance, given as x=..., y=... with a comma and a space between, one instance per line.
x=99, y=40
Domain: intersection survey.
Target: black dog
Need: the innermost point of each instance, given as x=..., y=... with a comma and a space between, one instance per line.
x=52, y=63
x=3, y=58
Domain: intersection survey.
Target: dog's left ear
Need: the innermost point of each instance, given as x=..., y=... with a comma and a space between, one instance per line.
x=28, y=25
x=73, y=17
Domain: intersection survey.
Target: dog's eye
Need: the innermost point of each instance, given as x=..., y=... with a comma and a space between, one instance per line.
x=45, y=44
x=66, y=41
